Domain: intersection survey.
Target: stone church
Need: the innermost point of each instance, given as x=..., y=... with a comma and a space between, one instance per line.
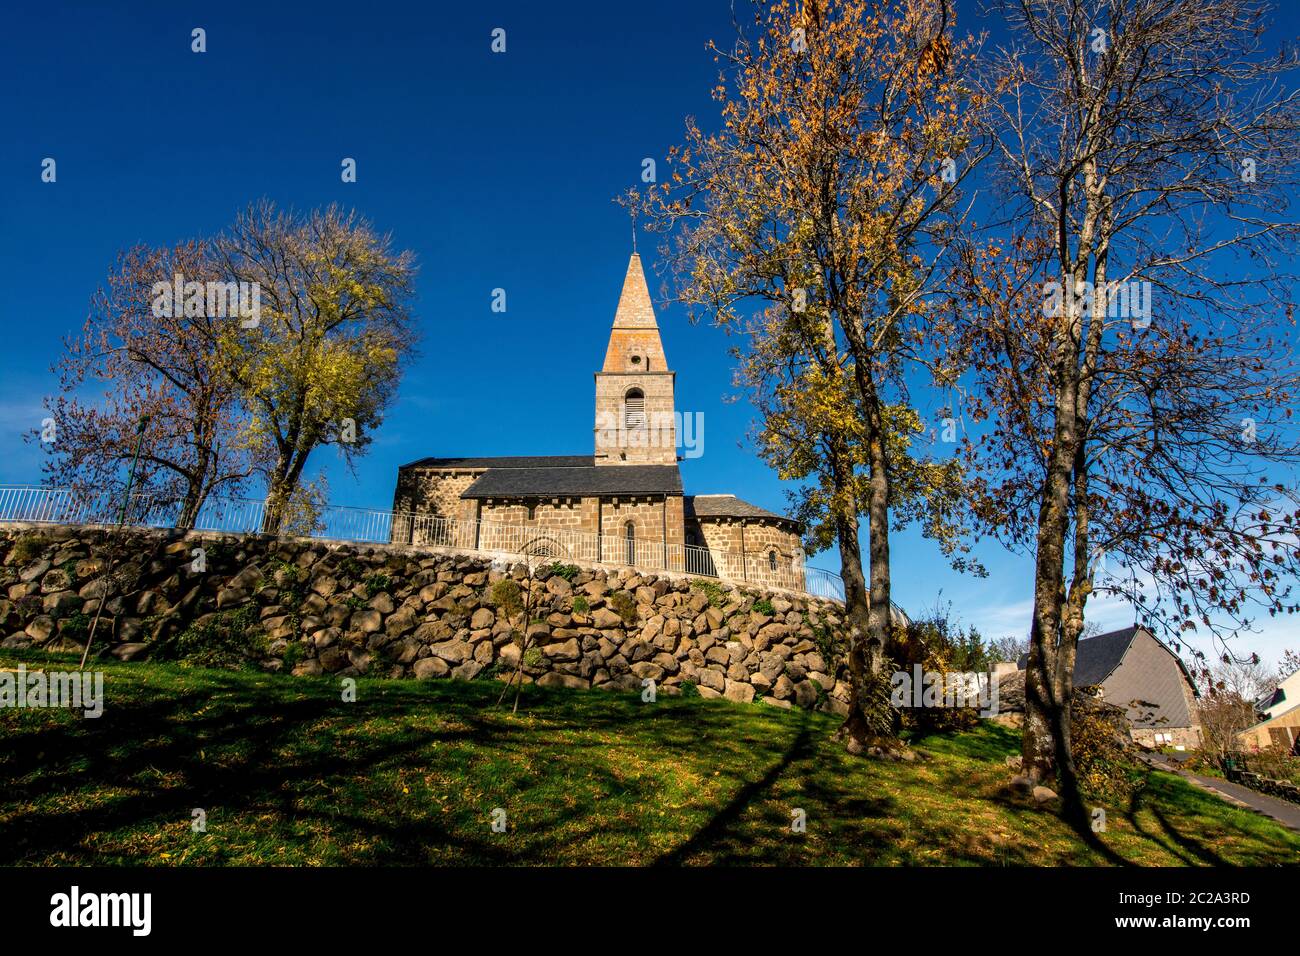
x=623, y=504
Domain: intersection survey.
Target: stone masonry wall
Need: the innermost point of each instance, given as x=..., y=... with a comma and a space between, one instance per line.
x=727, y=539
x=312, y=607
x=432, y=491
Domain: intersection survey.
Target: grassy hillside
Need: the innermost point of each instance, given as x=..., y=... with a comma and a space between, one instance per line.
x=411, y=773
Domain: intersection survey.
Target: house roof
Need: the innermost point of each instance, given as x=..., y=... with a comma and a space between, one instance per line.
x=727, y=506
x=504, y=461
x=1097, y=657
x=1149, y=690
x=1270, y=700
x=576, y=481
x=1294, y=708
x=1286, y=690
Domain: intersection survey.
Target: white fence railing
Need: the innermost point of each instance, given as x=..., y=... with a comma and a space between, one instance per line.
x=334, y=522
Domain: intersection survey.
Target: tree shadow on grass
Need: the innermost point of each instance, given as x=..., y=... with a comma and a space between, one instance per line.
x=714, y=835
x=289, y=773
x=246, y=749
x=1168, y=837
x=222, y=762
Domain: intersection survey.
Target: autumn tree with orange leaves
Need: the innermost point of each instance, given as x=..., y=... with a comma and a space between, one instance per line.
x=819, y=220
x=1132, y=342
x=135, y=363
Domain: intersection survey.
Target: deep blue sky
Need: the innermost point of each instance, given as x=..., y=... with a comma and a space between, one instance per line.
x=496, y=170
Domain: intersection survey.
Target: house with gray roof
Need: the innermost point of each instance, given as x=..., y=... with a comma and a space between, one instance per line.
x=1133, y=669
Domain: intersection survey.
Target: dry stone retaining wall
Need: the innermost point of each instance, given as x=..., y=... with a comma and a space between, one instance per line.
x=311, y=607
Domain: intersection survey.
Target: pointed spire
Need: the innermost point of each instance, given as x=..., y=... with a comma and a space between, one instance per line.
x=634, y=308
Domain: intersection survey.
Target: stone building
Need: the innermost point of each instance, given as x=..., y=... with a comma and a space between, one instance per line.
x=1133, y=669
x=622, y=504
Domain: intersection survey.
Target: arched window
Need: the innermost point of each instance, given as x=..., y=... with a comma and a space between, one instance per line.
x=634, y=409
x=629, y=533
x=771, y=560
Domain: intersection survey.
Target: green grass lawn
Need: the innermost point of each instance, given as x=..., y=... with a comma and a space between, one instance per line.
x=411, y=773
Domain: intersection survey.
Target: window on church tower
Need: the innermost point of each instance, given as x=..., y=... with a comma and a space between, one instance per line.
x=634, y=409
x=771, y=560
x=629, y=532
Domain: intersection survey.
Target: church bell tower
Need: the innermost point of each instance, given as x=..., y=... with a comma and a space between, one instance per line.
x=635, y=420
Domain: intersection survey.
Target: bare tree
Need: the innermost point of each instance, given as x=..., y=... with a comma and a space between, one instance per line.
x=153, y=360
x=1149, y=158
x=1227, y=702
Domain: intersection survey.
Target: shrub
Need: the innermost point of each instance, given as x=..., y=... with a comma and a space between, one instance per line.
x=75, y=626
x=924, y=642
x=1275, y=763
x=689, y=689
x=940, y=645
x=27, y=548
x=293, y=589
x=293, y=655
x=351, y=568
x=624, y=606
x=566, y=571
x=377, y=583
x=230, y=639
x=764, y=607
x=830, y=649
x=218, y=552
x=1102, y=749
x=581, y=605
x=506, y=595
x=712, y=590
x=496, y=670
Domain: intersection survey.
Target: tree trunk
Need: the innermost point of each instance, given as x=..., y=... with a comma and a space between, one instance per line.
x=283, y=483
x=1045, y=711
x=879, y=620
x=856, y=729
x=868, y=615
x=195, y=493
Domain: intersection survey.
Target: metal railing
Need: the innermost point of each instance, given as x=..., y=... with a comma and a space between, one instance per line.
x=334, y=522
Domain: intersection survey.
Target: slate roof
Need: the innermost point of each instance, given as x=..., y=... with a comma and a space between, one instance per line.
x=576, y=481
x=1011, y=696
x=506, y=461
x=1096, y=656
x=727, y=506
